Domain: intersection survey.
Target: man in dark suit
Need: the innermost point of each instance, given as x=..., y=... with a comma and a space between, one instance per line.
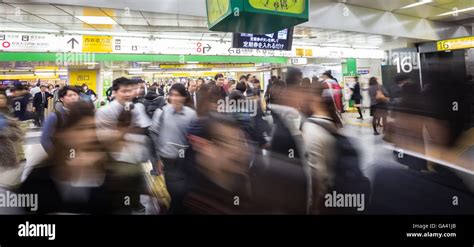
x=40, y=102
x=192, y=97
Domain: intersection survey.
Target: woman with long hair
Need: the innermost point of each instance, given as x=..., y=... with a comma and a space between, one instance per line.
x=378, y=104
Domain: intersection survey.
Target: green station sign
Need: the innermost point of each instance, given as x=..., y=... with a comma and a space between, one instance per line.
x=255, y=16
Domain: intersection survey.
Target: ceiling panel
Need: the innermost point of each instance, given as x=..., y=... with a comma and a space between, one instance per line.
x=42, y=25
x=385, y=5
x=123, y=13
x=25, y=18
x=138, y=21
x=430, y=10
x=6, y=9
x=40, y=9
x=163, y=22
x=422, y=11
x=8, y=25
x=158, y=15
x=62, y=19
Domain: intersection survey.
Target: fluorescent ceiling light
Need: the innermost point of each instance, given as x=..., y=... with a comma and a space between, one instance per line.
x=143, y=62
x=98, y=20
x=192, y=62
x=91, y=63
x=421, y=2
x=457, y=11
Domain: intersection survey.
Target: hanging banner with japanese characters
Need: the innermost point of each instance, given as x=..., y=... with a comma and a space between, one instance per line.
x=280, y=41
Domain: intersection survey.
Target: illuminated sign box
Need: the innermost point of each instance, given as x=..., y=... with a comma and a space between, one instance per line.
x=455, y=44
x=255, y=16
x=281, y=40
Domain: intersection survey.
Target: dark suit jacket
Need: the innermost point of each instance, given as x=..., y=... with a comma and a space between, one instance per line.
x=37, y=99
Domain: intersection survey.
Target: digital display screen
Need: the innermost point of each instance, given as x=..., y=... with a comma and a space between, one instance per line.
x=279, y=41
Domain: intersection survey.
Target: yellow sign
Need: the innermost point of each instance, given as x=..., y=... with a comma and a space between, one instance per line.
x=299, y=52
x=216, y=9
x=172, y=66
x=30, y=77
x=96, y=43
x=79, y=77
x=456, y=44
x=289, y=6
x=206, y=65
x=186, y=74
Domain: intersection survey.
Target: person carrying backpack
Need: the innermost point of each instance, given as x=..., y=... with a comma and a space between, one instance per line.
x=286, y=145
x=333, y=159
x=331, y=83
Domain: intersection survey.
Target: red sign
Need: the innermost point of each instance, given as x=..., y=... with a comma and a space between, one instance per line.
x=6, y=44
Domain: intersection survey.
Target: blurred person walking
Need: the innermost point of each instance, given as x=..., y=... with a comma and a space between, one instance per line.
x=87, y=181
x=378, y=105
x=169, y=135
x=138, y=146
x=67, y=96
x=357, y=97
x=40, y=103
x=287, y=140
x=331, y=83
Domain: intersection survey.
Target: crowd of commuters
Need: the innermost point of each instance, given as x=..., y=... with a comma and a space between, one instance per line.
x=215, y=159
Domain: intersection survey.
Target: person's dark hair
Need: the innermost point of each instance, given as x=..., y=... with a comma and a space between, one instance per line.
x=218, y=76
x=241, y=86
x=273, y=78
x=180, y=88
x=56, y=86
x=77, y=112
x=373, y=81
x=328, y=73
x=121, y=82
x=402, y=77
x=293, y=77
x=214, y=118
x=19, y=87
x=84, y=85
x=38, y=84
x=209, y=94
x=327, y=100
x=356, y=78
x=42, y=86
x=232, y=82
x=63, y=91
x=243, y=77
x=212, y=82
x=236, y=95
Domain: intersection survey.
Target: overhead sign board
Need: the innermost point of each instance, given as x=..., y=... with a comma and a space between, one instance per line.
x=455, y=44
x=26, y=42
x=100, y=44
x=217, y=9
x=299, y=61
x=137, y=45
x=255, y=16
x=281, y=40
x=131, y=45
x=292, y=6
